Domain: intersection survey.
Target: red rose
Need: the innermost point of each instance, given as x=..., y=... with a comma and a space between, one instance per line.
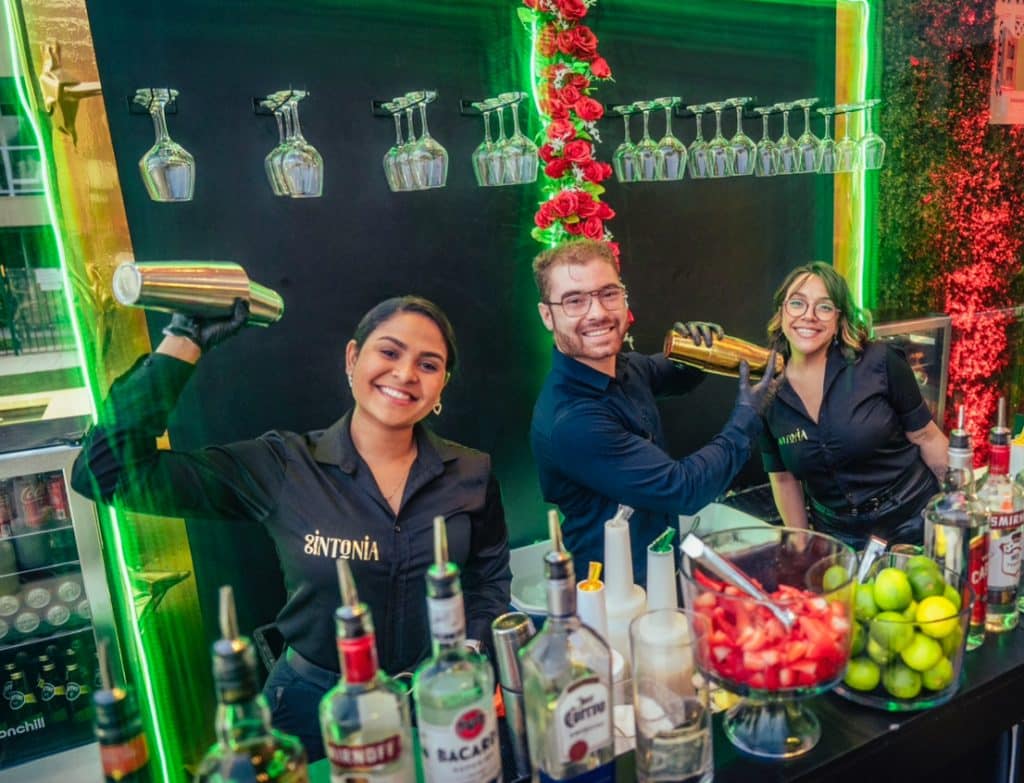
x=547, y=41
x=615, y=250
x=569, y=95
x=574, y=228
x=603, y=210
x=546, y=153
x=561, y=129
x=578, y=151
x=579, y=81
x=599, y=67
x=594, y=171
x=530, y=4
x=587, y=207
x=555, y=109
x=565, y=203
x=571, y=10
x=543, y=218
x=556, y=169
x=584, y=43
x=593, y=228
x=589, y=110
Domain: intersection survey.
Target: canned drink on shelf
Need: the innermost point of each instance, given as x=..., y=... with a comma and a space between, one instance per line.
x=8, y=567
x=57, y=494
x=5, y=631
x=69, y=589
x=31, y=508
x=37, y=596
x=26, y=623
x=9, y=604
x=84, y=610
x=58, y=615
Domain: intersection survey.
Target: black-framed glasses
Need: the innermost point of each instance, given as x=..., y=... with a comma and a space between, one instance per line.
x=823, y=311
x=612, y=297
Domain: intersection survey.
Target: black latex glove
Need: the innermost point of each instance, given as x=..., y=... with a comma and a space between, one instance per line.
x=758, y=395
x=206, y=331
x=699, y=331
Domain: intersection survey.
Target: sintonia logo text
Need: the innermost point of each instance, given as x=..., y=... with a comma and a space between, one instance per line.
x=23, y=728
x=587, y=708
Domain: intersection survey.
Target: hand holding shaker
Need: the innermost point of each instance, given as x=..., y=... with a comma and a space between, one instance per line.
x=200, y=288
x=722, y=358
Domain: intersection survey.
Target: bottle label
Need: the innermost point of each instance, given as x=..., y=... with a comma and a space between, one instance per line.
x=465, y=750
x=447, y=619
x=583, y=720
x=603, y=774
x=354, y=763
x=124, y=758
x=977, y=572
x=1006, y=521
x=1004, y=553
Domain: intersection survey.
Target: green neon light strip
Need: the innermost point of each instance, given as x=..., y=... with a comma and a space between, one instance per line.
x=859, y=190
x=117, y=550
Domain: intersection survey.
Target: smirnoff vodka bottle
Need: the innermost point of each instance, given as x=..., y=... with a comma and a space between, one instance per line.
x=364, y=719
x=956, y=527
x=567, y=683
x=1004, y=502
x=454, y=688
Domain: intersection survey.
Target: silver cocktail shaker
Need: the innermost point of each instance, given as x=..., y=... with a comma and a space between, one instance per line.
x=511, y=632
x=202, y=288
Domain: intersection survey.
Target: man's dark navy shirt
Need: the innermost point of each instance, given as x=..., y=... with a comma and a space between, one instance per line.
x=598, y=442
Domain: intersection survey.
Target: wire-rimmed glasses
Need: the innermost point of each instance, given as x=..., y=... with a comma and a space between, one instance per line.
x=671, y=152
x=612, y=297
x=808, y=157
x=624, y=157
x=766, y=162
x=744, y=150
x=698, y=157
x=872, y=146
x=786, y=147
x=646, y=149
x=520, y=153
x=847, y=149
x=427, y=158
x=168, y=170
x=719, y=151
x=828, y=144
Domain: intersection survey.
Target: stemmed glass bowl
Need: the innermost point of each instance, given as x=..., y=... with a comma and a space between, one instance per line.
x=168, y=170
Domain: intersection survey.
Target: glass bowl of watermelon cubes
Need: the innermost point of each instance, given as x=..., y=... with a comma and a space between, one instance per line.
x=748, y=650
x=912, y=622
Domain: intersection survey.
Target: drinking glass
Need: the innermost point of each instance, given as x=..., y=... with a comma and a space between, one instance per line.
x=721, y=155
x=624, y=157
x=168, y=169
x=482, y=154
x=698, y=158
x=272, y=162
x=808, y=157
x=427, y=158
x=520, y=153
x=872, y=146
x=828, y=144
x=646, y=148
x=767, y=155
x=302, y=166
x=847, y=149
x=786, y=147
x=392, y=170
x=671, y=152
x=744, y=151
x=670, y=699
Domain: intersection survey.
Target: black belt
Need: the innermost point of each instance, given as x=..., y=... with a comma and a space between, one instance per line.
x=904, y=488
x=307, y=670
x=869, y=506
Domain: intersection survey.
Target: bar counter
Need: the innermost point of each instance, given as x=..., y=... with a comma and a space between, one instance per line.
x=873, y=746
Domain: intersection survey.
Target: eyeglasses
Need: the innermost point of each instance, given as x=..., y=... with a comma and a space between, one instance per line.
x=612, y=297
x=823, y=311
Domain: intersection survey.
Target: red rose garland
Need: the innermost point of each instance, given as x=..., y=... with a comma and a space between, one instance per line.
x=567, y=65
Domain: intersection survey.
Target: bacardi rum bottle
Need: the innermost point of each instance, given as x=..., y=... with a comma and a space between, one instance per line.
x=956, y=528
x=247, y=748
x=454, y=689
x=118, y=728
x=567, y=683
x=1004, y=501
x=364, y=719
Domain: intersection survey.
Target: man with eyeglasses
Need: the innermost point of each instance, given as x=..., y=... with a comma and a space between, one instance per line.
x=596, y=432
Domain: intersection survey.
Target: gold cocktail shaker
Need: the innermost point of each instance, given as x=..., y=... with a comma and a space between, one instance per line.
x=201, y=288
x=722, y=358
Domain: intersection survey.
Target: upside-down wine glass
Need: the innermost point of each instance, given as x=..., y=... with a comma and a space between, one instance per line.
x=847, y=149
x=872, y=146
x=808, y=158
x=698, y=158
x=786, y=147
x=744, y=151
x=828, y=144
x=482, y=154
x=767, y=155
x=719, y=151
x=272, y=162
x=520, y=152
x=396, y=164
x=646, y=148
x=624, y=157
x=168, y=170
x=429, y=160
x=671, y=152
x=301, y=164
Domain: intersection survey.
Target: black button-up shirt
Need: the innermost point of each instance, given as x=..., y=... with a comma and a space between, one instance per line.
x=319, y=502
x=598, y=442
x=858, y=450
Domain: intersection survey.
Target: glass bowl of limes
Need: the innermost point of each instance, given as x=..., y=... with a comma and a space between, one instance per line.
x=909, y=635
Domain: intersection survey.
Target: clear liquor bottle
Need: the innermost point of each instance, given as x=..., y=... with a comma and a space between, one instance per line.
x=567, y=683
x=956, y=527
x=454, y=689
x=247, y=748
x=364, y=719
x=1004, y=502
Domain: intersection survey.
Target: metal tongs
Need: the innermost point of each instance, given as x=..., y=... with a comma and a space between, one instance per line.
x=874, y=550
x=718, y=565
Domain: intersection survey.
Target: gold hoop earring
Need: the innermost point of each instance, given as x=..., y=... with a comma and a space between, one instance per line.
x=437, y=408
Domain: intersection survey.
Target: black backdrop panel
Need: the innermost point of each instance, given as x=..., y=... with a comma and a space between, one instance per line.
x=711, y=250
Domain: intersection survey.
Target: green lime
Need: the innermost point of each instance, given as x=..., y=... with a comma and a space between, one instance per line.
x=925, y=582
x=892, y=590
x=953, y=596
x=910, y=613
x=859, y=639
x=864, y=607
x=922, y=561
x=892, y=631
x=922, y=653
x=901, y=681
x=835, y=577
x=951, y=644
x=862, y=674
x=939, y=676
x=879, y=654
x=937, y=616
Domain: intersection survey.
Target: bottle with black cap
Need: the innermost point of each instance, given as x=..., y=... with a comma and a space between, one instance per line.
x=247, y=748
x=118, y=729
